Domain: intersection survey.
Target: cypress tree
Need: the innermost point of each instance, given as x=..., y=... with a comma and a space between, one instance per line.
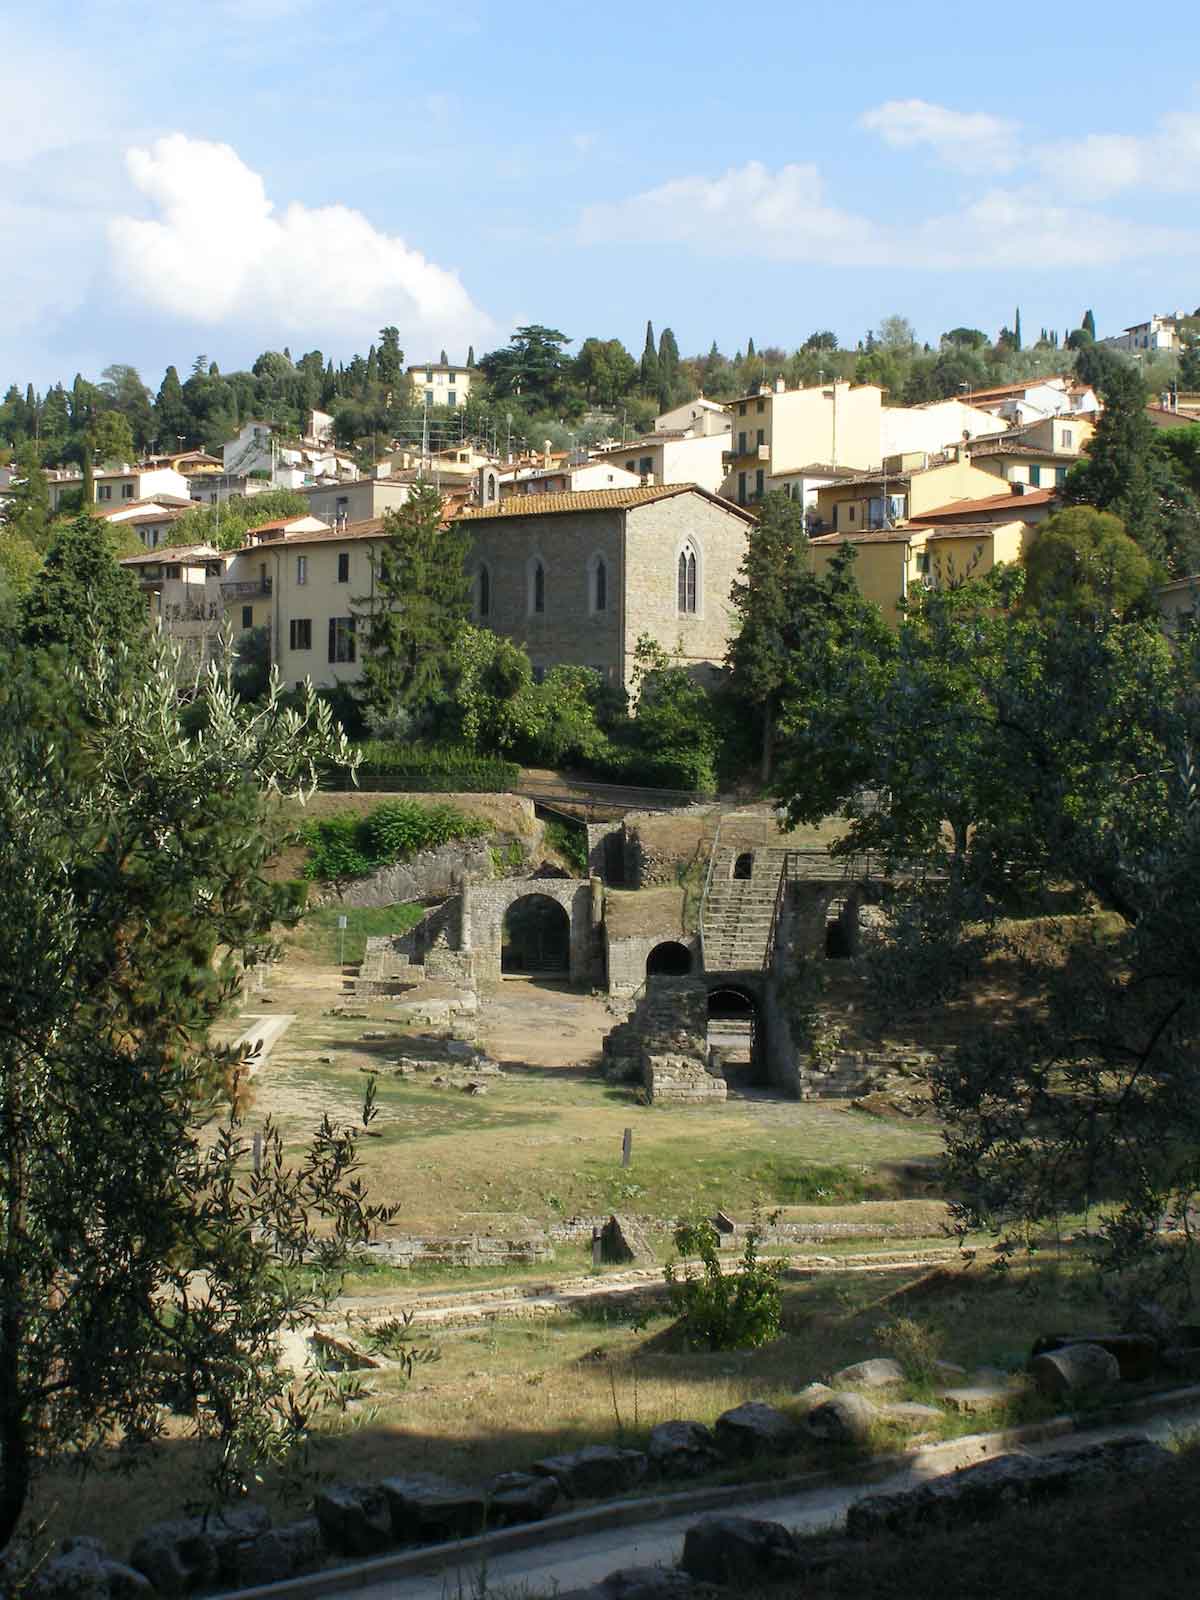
x=470, y=355
x=81, y=594
x=421, y=597
x=750, y=350
x=1017, y=330
x=649, y=368
x=1089, y=323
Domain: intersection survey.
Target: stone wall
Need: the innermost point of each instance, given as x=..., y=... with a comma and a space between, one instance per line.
x=429, y=875
x=626, y=957
x=484, y=907
x=663, y=1044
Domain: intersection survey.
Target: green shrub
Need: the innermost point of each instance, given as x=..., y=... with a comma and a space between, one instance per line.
x=570, y=841
x=454, y=769
x=352, y=847
x=723, y=1311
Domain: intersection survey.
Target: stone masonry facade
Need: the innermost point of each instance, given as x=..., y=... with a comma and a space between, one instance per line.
x=639, y=545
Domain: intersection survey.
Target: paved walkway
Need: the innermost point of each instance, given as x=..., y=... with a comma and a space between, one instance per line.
x=587, y=1559
x=265, y=1029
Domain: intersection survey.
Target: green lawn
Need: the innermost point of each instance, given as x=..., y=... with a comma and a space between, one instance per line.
x=317, y=935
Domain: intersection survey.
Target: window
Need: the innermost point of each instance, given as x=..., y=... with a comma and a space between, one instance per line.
x=600, y=586
x=742, y=443
x=452, y=398
x=742, y=409
x=429, y=377
x=341, y=506
x=1060, y=476
x=126, y=491
x=104, y=491
x=1035, y=477
x=631, y=466
x=760, y=482
x=922, y=560
x=851, y=513
x=341, y=639
x=761, y=437
x=301, y=569
x=484, y=592
x=300, y=633
x=687, y=582
x=741, y=488
x=539, y=588
x=247, y=616
x=170, y=572
x=1068, y=439
x=875, y=513
x=429, y=397
x=760, y=407
x=646, y=464
x=343, y=566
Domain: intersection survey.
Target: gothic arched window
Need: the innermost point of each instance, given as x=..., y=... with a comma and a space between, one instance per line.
x=687, y=581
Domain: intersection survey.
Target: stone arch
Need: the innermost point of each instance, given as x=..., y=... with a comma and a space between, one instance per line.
x=485, y=908
x=669, y=959
x=735, y=1027
x=743, y=865
x=536, y=937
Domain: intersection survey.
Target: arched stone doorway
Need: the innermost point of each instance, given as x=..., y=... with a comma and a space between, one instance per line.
x=669, y=960
x=743, y=866
x=841, y=928
x=733, y=1029
x=536, y=937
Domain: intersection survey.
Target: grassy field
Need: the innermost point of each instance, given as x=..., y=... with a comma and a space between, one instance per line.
x=498, y=1397
x=316, y=937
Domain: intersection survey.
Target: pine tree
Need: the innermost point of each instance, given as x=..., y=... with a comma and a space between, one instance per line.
x=649, y=370
x=420, y=599
x=27, y=512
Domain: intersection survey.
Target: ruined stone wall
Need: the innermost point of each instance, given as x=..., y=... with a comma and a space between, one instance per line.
x=663, y=1044
x=626, y=957
x=429, y=875
x=485, y=905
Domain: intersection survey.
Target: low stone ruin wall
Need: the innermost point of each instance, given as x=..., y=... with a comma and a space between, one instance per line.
x=663, y=1045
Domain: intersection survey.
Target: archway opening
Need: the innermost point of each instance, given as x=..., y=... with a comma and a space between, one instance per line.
x=669, y=960
x=841, y=930
x=536, y=938
x=732, y=1030
x=743, y=867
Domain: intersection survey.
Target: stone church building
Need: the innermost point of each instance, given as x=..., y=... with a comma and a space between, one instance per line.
x=578, y=578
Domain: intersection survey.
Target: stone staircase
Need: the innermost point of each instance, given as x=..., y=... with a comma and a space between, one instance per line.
x=737, y=913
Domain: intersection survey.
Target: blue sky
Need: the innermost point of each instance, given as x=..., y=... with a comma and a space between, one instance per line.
x=244, y=174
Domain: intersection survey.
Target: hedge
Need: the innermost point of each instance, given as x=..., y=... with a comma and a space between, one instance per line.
x=353, y=847
x=447, y=769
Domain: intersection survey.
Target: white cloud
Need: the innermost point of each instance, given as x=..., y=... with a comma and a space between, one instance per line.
x=1102, y=164
x=971, y=141
x=753, y=212
x=218, y=251
x=746, y=211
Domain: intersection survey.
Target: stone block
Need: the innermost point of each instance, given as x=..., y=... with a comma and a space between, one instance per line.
x=879, y=1373
x=1074, y=1371
x=190, y=1553
x=755, y=1429
x=647, y=1583
x=84, y=1570
x=520, y=1497
x=595, y=1471
x=355, y=1519
x=1136, y=1353
x=622, y=1240
x=682, y=1449
x=280, y=1553
x=846, y=1419
x=736, y=1551
x=975, y=1397
x=989, y=1487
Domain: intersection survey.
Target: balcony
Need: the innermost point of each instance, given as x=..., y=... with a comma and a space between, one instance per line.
x=252, y=589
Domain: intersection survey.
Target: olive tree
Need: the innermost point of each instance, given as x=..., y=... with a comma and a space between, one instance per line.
x=138, y=1246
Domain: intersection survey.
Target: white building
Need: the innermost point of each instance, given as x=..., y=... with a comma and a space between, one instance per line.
x=932, y=427
x=1160, y=334
x=674, y=457
x=695, y=416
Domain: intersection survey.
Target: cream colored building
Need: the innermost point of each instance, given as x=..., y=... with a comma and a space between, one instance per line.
x=894, y=562
x=435, y=384
x=356, y=502
x=583, y=476
x=937, y=425
x=899, y=492
x=698, y=416
x=778, y=430
x=674, y=457
x=117, y=486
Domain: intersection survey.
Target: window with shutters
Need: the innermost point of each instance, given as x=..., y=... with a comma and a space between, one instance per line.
x=300, y=633
x=343, y=566
x=341, y=639
x=301, y=569
x=247, y=616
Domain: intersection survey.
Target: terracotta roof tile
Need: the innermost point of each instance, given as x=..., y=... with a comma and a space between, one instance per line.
x=548, y=505
x=196, y=553
x=965, y=509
